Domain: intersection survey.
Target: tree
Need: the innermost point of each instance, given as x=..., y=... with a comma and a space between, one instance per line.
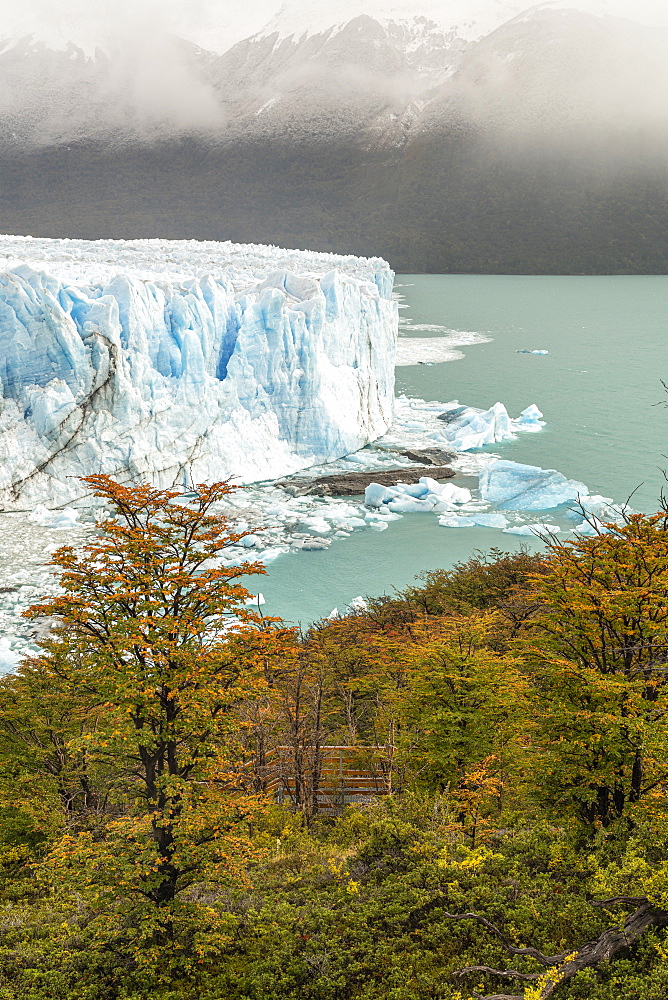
x=599, y=655
x=152, y=634
x=597, y=661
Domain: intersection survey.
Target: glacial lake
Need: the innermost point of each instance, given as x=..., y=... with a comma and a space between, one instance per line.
x=599, y=389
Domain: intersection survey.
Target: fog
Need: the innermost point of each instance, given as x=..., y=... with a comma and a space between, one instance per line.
x=217, y=24
x=146, y=69
x=210, y=23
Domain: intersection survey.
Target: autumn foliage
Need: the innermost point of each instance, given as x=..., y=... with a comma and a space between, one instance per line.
x=513, y=712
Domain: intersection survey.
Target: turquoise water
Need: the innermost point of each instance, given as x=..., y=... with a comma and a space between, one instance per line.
x=599, y=389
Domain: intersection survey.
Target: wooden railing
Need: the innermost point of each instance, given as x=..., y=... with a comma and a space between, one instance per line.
x=323, y=780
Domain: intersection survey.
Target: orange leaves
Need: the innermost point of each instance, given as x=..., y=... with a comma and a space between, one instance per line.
x=152, y=626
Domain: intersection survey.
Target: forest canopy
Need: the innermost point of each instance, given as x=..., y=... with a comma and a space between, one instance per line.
x=457, y=792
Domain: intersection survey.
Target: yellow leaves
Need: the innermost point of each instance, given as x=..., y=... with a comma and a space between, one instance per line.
x=552, y=976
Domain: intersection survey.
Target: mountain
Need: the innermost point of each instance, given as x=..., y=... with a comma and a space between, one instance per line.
x=502, y=139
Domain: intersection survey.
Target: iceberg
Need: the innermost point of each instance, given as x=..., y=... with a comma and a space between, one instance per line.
x=603, y=509
x=411, y=505
x=491, y=520
x=513, y=486
x=178, y=362
x=530, y=419
x=538, y=529
x=9, y=657
x=467, y=427
x=426, y=496
x=456, y=521
x=447, y=492
x=591, y=528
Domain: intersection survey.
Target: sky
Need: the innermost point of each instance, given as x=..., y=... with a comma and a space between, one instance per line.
x=217, y=24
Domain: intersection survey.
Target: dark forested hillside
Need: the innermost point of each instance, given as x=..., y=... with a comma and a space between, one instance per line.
x=461, y=205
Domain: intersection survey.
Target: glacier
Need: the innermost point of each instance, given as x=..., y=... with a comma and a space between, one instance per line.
x=178, y=362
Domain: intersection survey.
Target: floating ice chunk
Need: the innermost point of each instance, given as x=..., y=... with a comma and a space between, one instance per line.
x=442, y=507
x=250, y=541
x=268, y=555
x=317, y=524
x=410, y=505
x=9, y=658
x=41, y=515
x=255, y=600
x=350, y=523
x=379, y=525
x=454, y=494
x=61, y=520
x=333, y=615
x=375, y=495
x=456, y=521
x=513, y=486
x=358, y=604
x=530, y=415
x=591, y=528
x=603, y=508
x=336, y=511
x=446, y=491
x=467, y=427
x=540, y=352
x=417, y=490
x=491, y=520
x=533, y=529
x=431, y=485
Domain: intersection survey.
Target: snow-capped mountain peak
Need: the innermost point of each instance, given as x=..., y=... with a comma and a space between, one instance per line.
x=469, y=20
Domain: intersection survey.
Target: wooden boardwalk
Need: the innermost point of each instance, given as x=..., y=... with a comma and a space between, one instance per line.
x=324, y=780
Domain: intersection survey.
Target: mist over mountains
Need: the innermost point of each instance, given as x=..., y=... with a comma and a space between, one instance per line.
x=533, y=144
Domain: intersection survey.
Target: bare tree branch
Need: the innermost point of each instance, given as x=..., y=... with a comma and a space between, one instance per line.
x=562, y=968
x=504, y=973
x=545, y=960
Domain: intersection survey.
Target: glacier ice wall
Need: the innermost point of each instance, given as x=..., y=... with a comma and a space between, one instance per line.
x=185, y=362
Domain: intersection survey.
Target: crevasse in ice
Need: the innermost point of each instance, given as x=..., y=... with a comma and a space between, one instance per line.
x=185, y=362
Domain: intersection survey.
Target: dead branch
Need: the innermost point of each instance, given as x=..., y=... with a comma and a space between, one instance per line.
x=545, y=960
x=565, y=966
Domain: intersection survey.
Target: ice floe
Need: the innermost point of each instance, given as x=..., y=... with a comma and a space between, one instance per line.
x=514, y=486
x=538, y=529
x=433, y=350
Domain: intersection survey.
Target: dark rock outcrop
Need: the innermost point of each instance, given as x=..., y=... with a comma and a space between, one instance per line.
x=430, y=456
x=349, y=484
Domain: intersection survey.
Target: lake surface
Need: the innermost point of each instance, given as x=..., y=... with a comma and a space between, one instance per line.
x=599, y=388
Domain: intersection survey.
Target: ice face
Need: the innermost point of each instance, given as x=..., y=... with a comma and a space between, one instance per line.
x=512, y=486
x=179, y=362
